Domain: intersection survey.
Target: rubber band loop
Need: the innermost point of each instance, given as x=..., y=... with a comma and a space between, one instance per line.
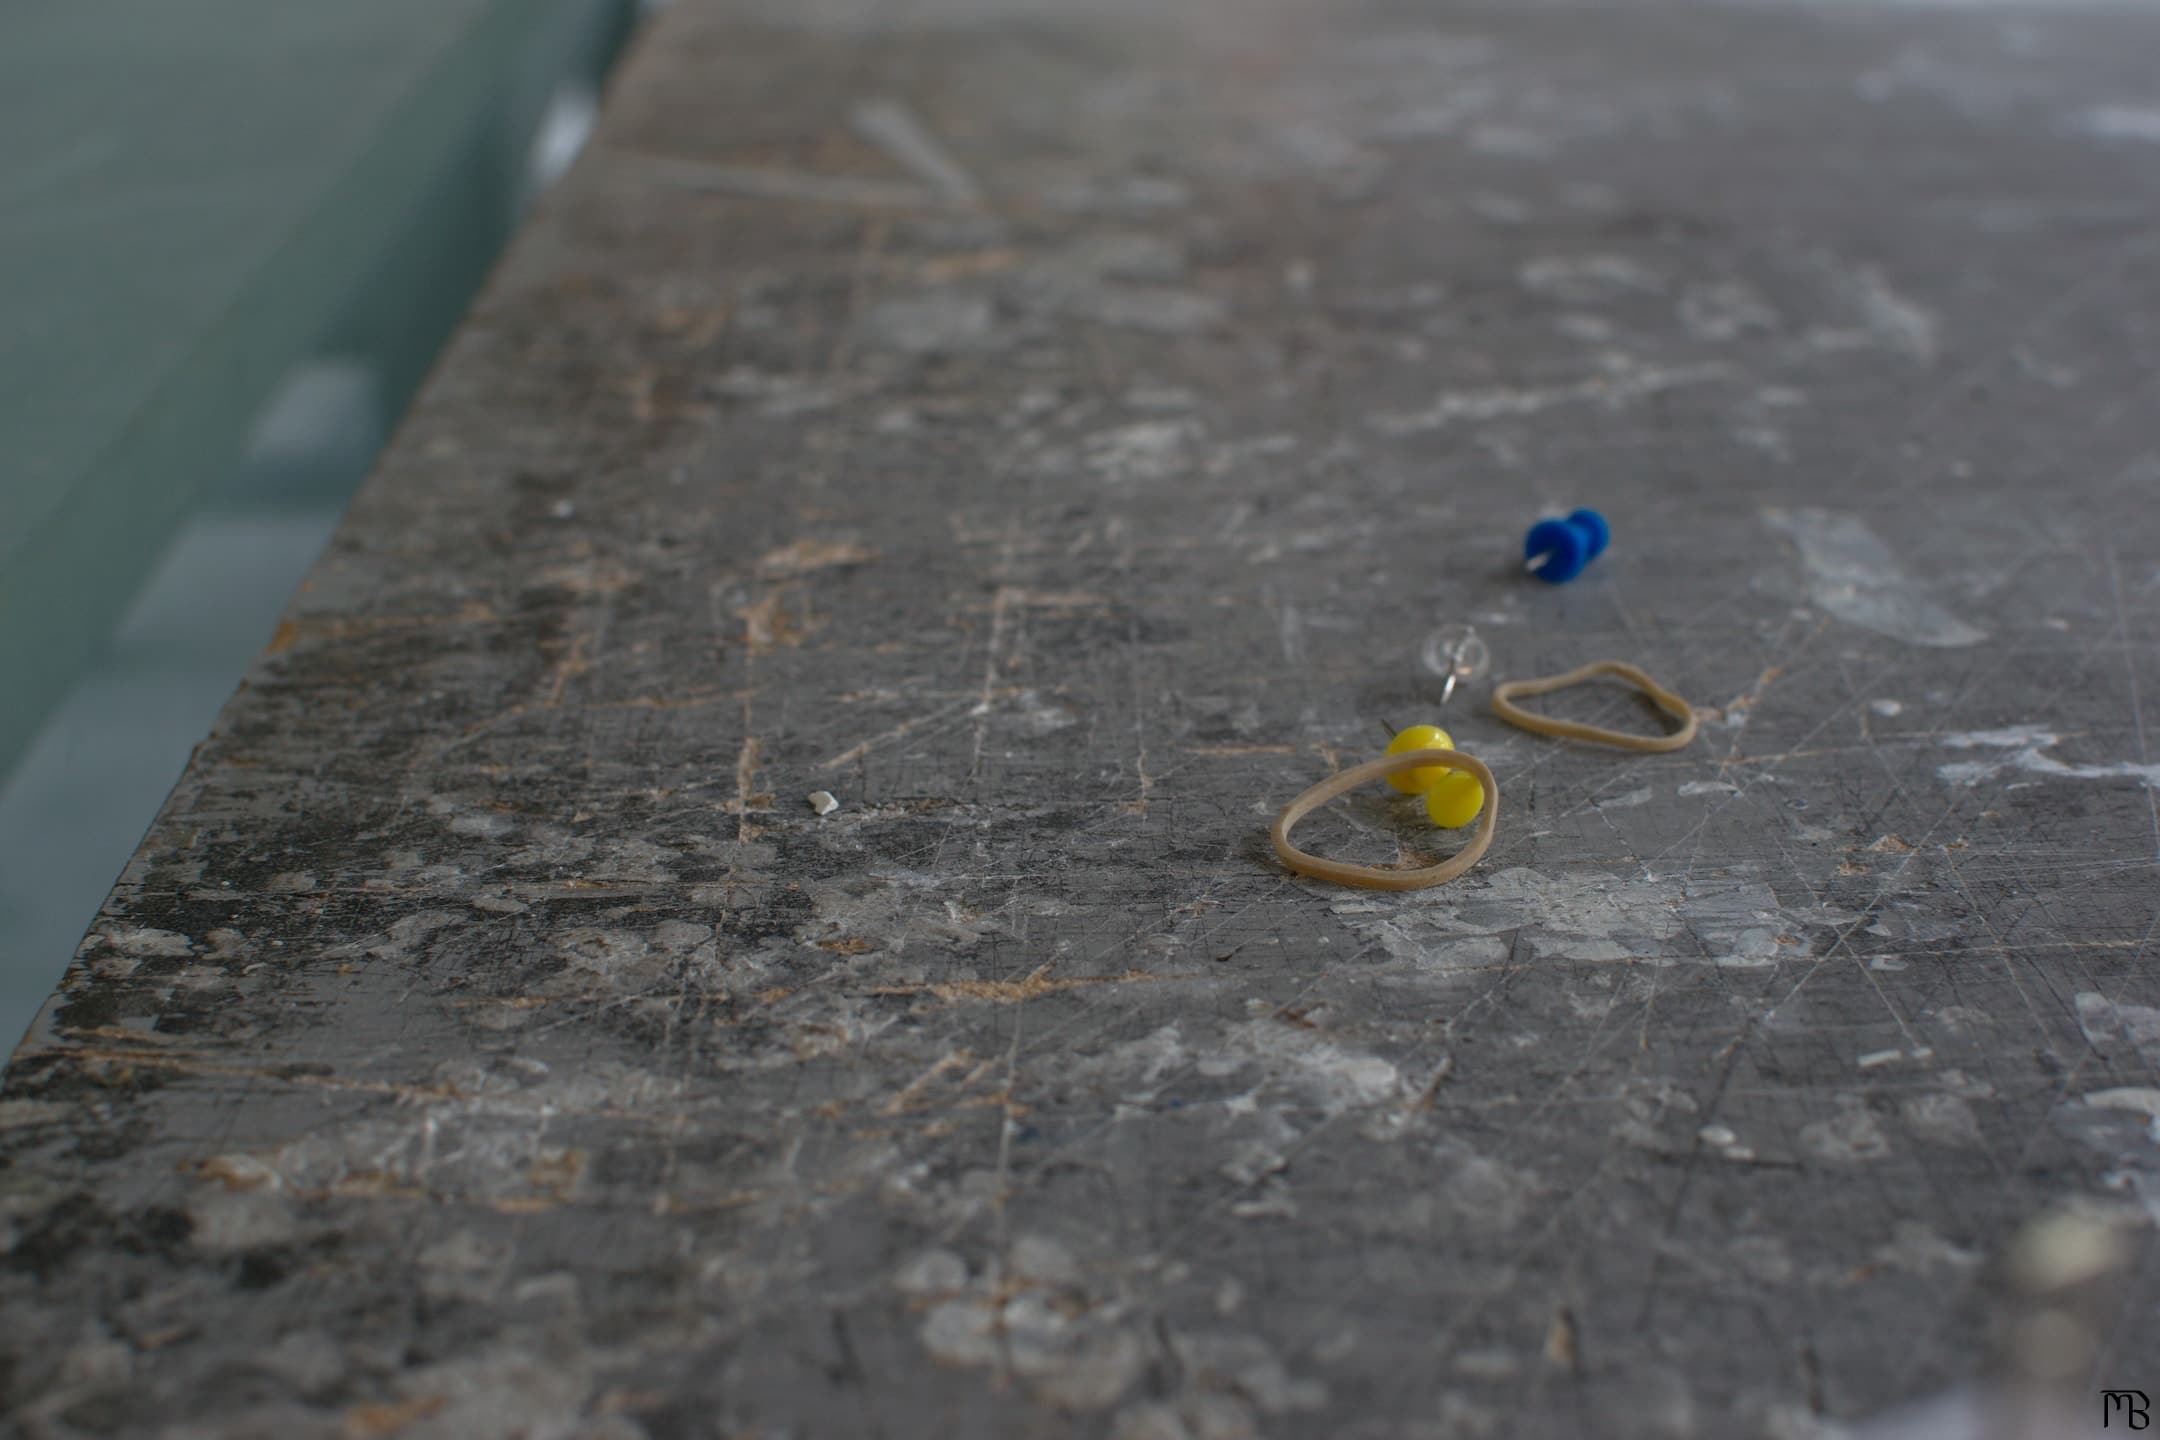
x=1372, y=877
x=1504, y=696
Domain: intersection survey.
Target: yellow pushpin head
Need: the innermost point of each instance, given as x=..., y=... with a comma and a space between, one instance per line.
x=1456, y=800
x=1453, y=798
x=1420, y=737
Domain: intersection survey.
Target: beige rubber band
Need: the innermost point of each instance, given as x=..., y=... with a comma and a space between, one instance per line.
x=1503, y=705
x=1372, y=877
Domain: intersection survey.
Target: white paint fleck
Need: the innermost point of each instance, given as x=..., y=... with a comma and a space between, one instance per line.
x=1252, y=1162
x=238, y=1170
x=777, y=396
x=1849, y=1138
x=2105, y=1021
x=823, y=802
x=1143, y=450
x=1915, y=1248
x=1135, y=1067
x=962, y=1332
x=933, y=1272
x=1586, y=279
x=2007, y=736
x=1044, y=1260
x=2122, y=122
x=227, y=1220
x=1271, y=1200
x=1623, y=383
x=1468, y=1193
x=146, y=942
x=1852, y=574
x=1750, y=949
x=1709, y=787
x=1736, y=918
x=617, y=955
x=1897, y=321
x=1121, y=280
x=1944, y=1119
x=1333, y=1077
x=1066, y=1356
x=2025, y=748
x=1887, y=708
x=1041, y=717
x=1292, y=632
x=1876, y=1058
x=1724, y=311
x=2142, y=1099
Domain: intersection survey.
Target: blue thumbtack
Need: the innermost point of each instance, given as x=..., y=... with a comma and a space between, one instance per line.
x=1557, y=550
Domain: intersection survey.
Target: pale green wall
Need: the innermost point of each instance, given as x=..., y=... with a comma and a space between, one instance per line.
x=192, y=197
x=233, y=234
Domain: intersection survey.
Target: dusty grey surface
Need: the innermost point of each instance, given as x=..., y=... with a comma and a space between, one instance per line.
x=1052, y=431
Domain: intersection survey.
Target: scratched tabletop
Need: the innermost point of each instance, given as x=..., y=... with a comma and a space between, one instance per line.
x=1052, y=431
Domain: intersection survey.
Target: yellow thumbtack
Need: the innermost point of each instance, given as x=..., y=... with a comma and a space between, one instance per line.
x=1453, y=798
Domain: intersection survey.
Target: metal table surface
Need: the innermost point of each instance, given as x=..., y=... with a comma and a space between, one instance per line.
x=1052, y=430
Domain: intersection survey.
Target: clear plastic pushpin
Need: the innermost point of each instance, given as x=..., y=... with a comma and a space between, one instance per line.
x=1455, y=653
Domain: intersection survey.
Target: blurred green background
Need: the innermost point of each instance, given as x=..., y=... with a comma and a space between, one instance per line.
x=233, y=236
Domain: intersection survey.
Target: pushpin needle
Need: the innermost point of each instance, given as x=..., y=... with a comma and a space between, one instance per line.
x=1537, y=562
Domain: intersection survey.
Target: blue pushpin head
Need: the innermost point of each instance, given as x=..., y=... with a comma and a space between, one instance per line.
x=1557, y=550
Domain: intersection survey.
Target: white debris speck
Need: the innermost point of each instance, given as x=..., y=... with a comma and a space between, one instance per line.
x=823, y=802
x=2128, y=1097
x=934, y=1272
x=2122, y=122
x=2024, y=747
